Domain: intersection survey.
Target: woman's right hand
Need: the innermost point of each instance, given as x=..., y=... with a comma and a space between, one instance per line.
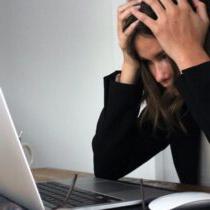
x=130, y=66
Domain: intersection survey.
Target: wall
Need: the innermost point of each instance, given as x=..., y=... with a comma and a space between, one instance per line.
x=55, y=54
x=53, y=57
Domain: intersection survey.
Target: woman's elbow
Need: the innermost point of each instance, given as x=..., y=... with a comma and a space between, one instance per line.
x=104, y=174
x=102, y=169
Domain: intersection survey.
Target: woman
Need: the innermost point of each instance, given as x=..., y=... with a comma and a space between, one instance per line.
x=161, y=46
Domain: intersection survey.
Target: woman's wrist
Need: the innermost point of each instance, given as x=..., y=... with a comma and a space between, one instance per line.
x=129, y=74
x=191, y=58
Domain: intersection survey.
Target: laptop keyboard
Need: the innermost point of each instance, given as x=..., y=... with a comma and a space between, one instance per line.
x=54, y=193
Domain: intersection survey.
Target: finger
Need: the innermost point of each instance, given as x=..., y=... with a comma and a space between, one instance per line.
x=201, y=9
x=131, y=3
x=167, y=4
x=123, y=16
x=156, y=6
x=127, y=13
x=131, y=28
x=183, y=3
x=149, y=22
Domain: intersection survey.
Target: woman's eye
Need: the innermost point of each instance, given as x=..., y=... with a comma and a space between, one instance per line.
x=147, y=62
x=164, y=56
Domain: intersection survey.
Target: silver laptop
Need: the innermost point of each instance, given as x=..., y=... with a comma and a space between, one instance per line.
x=18, y=184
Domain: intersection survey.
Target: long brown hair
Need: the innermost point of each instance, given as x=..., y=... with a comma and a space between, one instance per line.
x=163, y=108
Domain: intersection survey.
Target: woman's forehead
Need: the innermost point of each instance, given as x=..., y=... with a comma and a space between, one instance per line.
x=147, y=47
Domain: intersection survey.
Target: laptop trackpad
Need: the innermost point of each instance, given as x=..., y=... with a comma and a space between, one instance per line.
x=104, y=186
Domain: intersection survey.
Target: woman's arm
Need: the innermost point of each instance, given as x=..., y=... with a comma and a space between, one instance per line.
x=119, y=146
x=194, y=85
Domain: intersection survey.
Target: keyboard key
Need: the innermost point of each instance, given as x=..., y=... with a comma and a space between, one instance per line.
x=54, y=194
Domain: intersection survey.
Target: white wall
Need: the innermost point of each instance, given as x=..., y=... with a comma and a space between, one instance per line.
x=165, y=169
x=53, y=57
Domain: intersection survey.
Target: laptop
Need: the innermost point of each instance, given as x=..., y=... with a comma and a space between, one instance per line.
x=18, y=184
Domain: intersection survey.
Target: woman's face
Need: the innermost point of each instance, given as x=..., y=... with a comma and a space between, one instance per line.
x=150, y=51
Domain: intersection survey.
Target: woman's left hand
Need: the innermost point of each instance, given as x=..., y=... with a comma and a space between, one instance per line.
x=180, y=31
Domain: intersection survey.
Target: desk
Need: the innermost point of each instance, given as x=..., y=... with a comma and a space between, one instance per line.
x=50, y=174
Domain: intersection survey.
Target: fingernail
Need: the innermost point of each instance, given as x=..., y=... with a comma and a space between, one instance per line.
x=138, y=6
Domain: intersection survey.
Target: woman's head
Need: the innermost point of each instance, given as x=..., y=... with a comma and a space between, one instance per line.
x=143, y=46
x=158, y=73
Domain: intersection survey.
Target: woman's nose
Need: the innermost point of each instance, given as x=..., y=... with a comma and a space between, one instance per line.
x=160, y=73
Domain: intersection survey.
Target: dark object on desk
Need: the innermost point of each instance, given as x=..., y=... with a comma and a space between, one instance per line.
x=201, y=205
x=6, y=204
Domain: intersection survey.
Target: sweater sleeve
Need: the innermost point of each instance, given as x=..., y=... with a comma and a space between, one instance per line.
x=119, y=145
x=194, y=85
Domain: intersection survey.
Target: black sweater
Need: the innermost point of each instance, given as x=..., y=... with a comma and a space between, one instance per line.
x=120, y=145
